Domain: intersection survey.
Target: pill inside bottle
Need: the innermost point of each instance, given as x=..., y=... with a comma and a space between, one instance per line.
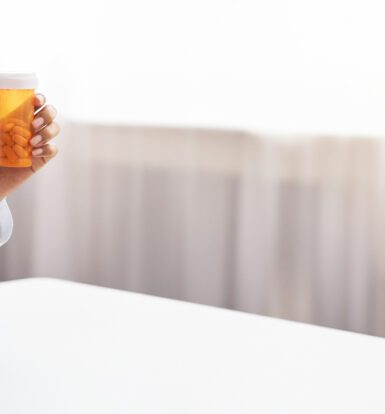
x=17, y=92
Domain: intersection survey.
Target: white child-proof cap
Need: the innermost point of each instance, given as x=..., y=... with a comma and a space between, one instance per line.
x=18, y=81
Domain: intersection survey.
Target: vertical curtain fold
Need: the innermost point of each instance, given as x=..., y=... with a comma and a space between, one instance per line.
x=286, y=226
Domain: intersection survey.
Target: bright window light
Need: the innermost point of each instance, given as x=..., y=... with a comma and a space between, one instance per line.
x=287, y=66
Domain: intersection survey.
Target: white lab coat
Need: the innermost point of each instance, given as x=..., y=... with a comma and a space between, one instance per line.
x=6, y=222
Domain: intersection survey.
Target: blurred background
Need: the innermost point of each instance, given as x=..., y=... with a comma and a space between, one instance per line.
x=226, y=152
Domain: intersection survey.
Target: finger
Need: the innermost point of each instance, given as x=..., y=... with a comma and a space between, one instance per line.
x=44, y=117
x=46, y=134
x=46, y=151
x=39, y=100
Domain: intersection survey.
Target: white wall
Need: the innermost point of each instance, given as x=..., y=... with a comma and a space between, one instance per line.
x=270, y=65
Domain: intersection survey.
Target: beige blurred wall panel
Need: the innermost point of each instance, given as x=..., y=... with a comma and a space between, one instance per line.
x=293, y=228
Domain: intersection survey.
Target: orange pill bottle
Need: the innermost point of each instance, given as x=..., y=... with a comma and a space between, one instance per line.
x=17, y=92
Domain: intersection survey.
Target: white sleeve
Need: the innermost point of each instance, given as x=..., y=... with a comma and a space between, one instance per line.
x=6, y=222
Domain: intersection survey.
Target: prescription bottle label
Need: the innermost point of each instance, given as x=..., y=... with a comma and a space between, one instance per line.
x=16, y=116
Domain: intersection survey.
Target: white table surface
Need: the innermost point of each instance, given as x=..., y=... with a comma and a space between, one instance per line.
x=75, y=349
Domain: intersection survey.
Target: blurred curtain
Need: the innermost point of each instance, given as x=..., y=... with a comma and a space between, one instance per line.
x=292, y=227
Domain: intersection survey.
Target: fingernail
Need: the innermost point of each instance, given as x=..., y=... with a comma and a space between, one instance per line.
x=36, y=140
x=37, y=151
x=38, y=122
x=40, y=97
